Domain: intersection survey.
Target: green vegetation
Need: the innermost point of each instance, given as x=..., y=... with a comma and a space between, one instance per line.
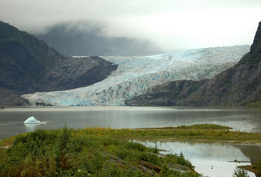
x=204, y=126
x=207, y=134
x=24, y=54
x=105, y=151
x=255, y=168
x=240, y=172
x=258, y=167
x=1, y=107
x=195, y=126
x=13, y=40
x=84, y=152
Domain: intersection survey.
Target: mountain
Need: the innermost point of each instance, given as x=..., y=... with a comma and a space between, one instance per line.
x=69, y=39
x=28, y=65
x=239, y=85
x=135, y=75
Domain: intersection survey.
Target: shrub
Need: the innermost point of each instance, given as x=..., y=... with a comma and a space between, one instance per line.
x=134, y=146
x=143, y=156
x=165, y=171
x=153, y=159
x=122, y=153
x=106, y=141
x=240, y=172
x=182, y=161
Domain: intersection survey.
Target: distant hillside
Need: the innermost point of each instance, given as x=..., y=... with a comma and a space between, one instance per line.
x=67, y=39
x=237, y=86
x=28, y=65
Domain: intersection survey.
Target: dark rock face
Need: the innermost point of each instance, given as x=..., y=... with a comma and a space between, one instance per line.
x=167, y=94
x=12, y=98
x=237, y=86
x=28, y=65
x=77, y=73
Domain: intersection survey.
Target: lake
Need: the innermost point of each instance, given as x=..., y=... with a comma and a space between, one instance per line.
x=11, y=119
x=202, y=155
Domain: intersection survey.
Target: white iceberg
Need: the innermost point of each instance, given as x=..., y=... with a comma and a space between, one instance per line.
x=32, y=120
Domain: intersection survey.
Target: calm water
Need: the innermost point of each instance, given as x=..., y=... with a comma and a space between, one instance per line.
x=212, y=159
x=11, y=119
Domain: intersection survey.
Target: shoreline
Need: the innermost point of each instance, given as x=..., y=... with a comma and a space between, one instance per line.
x=232, y=142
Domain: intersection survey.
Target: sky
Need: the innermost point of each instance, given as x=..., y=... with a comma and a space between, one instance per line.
x=169, y=24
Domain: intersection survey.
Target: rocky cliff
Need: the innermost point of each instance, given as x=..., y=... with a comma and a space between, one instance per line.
x=239, y=85
x=28, y=65
x=167, y=94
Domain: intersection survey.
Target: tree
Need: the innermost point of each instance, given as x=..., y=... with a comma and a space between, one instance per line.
x=164, y=171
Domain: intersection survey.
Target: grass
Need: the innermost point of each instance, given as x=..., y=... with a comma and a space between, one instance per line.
x=204, y=126
x=195, y=126
x=218, y=133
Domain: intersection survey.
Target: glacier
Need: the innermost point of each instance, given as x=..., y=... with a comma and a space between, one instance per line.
x=135, y=75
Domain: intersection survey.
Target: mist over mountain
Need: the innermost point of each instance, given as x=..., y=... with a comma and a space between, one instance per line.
x=74, y=40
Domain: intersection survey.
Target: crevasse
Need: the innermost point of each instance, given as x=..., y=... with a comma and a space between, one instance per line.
x=135, y=75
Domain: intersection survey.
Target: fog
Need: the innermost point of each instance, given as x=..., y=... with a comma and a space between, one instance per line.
x=170, y=25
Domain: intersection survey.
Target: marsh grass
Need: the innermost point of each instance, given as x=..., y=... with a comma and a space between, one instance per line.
x=204, y=133
x=195, y=126
x=204, y=126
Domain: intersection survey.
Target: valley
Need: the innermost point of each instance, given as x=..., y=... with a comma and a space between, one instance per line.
x=135, y=75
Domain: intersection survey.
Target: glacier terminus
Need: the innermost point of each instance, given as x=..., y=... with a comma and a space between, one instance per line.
x=135, y=75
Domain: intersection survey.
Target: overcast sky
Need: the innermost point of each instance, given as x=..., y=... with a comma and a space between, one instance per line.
x=170, y=24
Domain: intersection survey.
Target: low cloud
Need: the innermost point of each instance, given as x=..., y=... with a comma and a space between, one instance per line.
x=171, y=25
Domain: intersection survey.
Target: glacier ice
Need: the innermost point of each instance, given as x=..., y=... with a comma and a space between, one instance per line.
x=33, y=120
x=135, y=75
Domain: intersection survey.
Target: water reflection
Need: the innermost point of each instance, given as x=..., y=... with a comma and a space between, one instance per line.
x=204, y=156
x=253, y=152
x=31, y=127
